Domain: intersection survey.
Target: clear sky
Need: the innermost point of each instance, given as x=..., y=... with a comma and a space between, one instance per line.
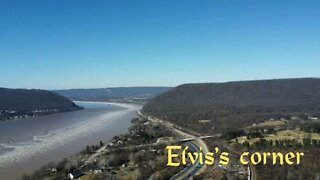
x=85, y=44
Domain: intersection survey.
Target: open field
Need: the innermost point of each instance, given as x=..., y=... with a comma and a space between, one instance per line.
x=270, y=123
x=283, y=135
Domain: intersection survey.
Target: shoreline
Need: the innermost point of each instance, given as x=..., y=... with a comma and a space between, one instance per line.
x=103, y=120
x=106, y=159
x=27, y=114
x=120, y=104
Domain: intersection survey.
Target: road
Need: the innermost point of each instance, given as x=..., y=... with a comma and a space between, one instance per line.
x=196, y=168
x=192, y=169
x=252, y=175
x=95, y=155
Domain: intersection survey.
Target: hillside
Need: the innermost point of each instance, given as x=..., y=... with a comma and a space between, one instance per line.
x=112, y=93
x=237, y=102
x=23, y=102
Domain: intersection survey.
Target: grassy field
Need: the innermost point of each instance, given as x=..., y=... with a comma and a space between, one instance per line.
x=283, y=135
x=270, y=123
x=88, y=177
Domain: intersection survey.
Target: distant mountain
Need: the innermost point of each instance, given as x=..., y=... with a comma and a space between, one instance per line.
x=243, y=101
x=23, y=102
x=112, y=93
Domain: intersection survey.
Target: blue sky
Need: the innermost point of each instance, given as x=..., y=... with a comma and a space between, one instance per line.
x=85, y=44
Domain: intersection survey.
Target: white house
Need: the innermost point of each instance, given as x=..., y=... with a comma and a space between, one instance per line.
x=75, y=174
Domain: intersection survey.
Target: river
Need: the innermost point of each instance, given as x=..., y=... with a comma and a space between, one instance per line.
x=27, y=144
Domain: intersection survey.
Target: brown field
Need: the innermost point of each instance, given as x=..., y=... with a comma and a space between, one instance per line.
x=284, y=135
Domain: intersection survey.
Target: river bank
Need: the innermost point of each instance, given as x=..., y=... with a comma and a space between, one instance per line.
x=29, y=143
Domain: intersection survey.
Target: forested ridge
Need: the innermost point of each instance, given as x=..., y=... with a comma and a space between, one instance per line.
x=237, y=102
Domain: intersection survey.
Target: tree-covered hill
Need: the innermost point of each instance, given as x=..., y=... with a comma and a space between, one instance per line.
x=101, y=94
x=23, y=102
x=236, y=103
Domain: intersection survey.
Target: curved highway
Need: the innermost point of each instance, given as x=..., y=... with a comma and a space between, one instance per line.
x=192, y=169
